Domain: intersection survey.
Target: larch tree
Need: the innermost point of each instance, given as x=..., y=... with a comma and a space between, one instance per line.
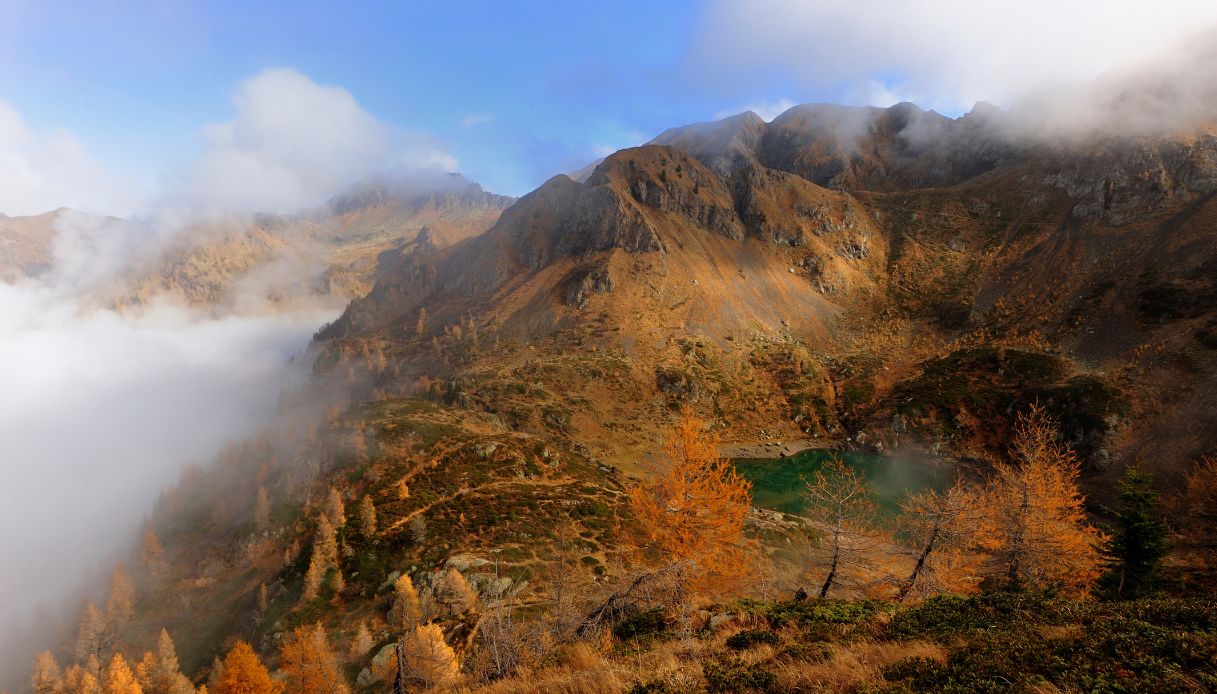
x=262, y=511
x=159, y=671
x=839, y=502
x=46, y=678
x=939, y=529
x=691, y=514
x=334, y=508
x=456, y=592
x=429, y=660
x=118, y=678
x=406, y=612
x=309, y=664
x=1200, y=504
x=325, y=556
x=120, y=602
x=80, y=680
x=152, y=555
x=361, y=643
x=95, y=637
x=366, y=515
x=244, y=673
x=1033, y=528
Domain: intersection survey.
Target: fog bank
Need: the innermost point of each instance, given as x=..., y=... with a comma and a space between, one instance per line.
x=100, y=411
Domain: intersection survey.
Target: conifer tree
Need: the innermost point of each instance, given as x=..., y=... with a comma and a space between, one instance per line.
x=335, y=509
x=692, y=512
x=244, y=673
x=262, y=511
x=429, y=660
x=152, y=554
x=1033, y=527
x=407, y=609
x=46, y=677
x=310, y=665
x=120, y=603
x=457, y=593
x=80, y=680
x=95, y=638
x=325, y=556
x=939, y=528
x=1200, y=504
x=840, y=501
x=118, y=678
x=160, y=673
x=361, y=643
x=1139, y=540
x=367, y=517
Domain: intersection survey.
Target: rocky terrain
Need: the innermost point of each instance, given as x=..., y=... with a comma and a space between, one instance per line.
x=808, y=276
x=327, y=255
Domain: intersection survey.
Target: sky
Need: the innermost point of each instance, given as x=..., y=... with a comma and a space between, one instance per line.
x=125, y=94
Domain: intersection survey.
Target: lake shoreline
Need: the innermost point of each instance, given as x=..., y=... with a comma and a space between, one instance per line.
x=775, y=450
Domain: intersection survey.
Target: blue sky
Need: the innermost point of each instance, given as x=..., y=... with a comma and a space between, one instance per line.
x=516, y=92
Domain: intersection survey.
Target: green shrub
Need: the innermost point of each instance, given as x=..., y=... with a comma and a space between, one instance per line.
x=737, y=676
x=649, y=623
x=749, y=638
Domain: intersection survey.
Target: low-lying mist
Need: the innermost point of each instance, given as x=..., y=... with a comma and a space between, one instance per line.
x=99, y=412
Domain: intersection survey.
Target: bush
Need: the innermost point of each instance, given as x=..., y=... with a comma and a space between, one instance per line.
x=809, y=612
x=738, y=676
x=649, y=623
x=751, y=637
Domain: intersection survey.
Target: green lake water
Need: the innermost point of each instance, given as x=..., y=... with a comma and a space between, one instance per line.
x=777, y=483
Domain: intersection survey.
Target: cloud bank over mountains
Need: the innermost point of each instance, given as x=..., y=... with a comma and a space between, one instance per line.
x=941, y=54
x=290, y=145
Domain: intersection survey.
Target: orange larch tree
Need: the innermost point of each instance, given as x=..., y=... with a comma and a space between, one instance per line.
x=244, y=673
x=1033, y=528
x=691, y=513
x=939, y=529
x=309, y=663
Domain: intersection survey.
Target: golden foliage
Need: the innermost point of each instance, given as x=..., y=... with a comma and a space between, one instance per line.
x=244, y=673
x=1033, y=526
x=692, y=511
x=46, y=677
x=334, y=509
x=159, y=673
x=457, y=593
x=366, y=515
x=310, y=665
x=407, y=610
x=262, y=511
x=118, y=678
x=939, y=528
x=361, y=643
x=120, y=603
x=429, y=660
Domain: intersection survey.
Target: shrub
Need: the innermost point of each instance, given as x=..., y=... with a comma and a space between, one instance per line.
x=749, y=638
x=649, y=623
x=738, y=676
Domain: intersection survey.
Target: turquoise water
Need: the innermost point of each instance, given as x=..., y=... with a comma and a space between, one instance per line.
x=777, y=484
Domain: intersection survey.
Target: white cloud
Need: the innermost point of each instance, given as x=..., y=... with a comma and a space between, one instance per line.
x=944, y=54
x=292, y=144
x=767, y=110
x=42, y=171
x=476, y=119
